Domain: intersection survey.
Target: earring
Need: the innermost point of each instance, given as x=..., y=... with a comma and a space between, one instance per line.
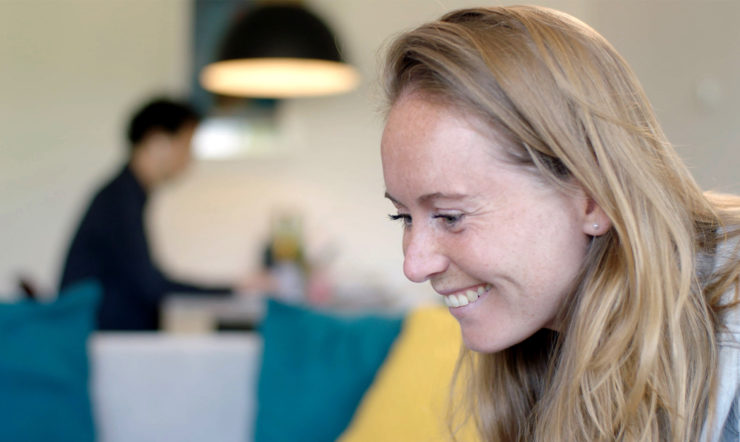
x=596, y=226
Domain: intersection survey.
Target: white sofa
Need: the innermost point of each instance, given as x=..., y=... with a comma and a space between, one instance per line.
x=169, y=387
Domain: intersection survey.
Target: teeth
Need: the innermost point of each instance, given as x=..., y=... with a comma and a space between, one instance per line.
x=472, y=295
x=452, y=301
x=465, y=298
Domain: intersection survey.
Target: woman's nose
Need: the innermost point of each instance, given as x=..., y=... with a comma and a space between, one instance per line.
x=422, y=257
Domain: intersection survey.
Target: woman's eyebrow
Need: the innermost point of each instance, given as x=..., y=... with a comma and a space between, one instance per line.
x=393, y=200
x=430, y=197
x=441, y=196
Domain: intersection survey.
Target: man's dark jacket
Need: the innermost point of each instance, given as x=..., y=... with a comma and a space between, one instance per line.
x=111, y=246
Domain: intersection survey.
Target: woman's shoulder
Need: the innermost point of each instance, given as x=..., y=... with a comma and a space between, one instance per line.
x=726, y=258
x=727, y=406
x=727, y=402
x=731, y=429
x=722, y=263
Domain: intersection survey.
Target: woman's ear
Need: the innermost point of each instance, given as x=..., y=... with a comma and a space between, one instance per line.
x=595, y=221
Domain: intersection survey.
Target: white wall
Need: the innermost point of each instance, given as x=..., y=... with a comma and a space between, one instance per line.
x=687, y=56
x=72, y=69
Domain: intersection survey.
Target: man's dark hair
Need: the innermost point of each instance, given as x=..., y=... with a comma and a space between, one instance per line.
x=160, y=114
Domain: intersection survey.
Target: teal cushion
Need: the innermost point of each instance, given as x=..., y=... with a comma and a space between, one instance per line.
x=316, y=367
x=44, y=367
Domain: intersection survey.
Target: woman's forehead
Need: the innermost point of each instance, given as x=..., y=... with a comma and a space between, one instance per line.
x=433, y=130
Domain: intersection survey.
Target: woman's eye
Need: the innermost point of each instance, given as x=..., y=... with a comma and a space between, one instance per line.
x=449, y=220
x=405, y=219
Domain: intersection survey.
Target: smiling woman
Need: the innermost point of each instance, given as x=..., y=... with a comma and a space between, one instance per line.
x=591, y=277
x=482, y=224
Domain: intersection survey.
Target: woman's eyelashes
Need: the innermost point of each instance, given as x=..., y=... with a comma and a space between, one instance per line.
x=448, y=221
x=404, y=218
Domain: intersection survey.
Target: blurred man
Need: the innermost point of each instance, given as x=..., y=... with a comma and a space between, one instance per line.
x=110, y=244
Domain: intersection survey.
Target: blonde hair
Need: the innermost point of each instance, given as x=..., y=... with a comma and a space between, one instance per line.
x=637, y=356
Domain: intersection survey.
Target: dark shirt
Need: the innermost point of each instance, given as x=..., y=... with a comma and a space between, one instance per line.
x=111, y=246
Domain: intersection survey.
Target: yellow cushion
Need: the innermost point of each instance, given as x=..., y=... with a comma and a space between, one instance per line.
x=408, y=399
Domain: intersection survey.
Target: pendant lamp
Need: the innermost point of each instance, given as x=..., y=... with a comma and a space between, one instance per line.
x=279, y=51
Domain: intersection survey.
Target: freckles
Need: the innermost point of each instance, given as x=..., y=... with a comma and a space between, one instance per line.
x=404, y=243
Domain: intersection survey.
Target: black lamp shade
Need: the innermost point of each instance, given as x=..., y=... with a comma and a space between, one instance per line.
x=285, y=45
x=284, y=31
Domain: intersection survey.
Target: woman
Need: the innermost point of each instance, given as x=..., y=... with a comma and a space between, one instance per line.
x=594, y=283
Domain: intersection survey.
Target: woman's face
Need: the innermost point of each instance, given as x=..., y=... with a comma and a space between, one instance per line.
x=489, y=235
